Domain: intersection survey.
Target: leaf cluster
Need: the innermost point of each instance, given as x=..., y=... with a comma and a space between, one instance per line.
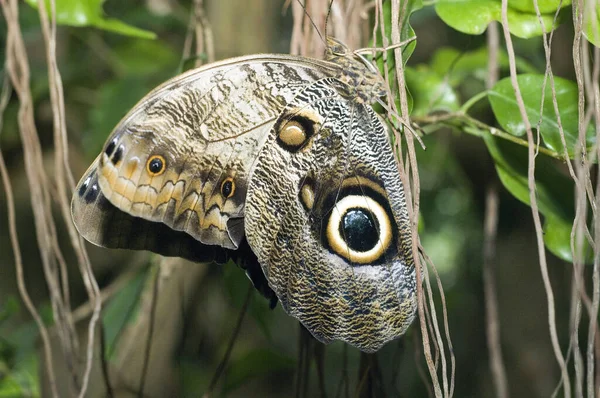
x=450, y=92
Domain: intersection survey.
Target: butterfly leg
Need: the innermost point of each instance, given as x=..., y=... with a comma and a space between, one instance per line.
x=247, y=260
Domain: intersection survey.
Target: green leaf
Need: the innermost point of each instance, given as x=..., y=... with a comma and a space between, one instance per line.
x=90, y=13
x=473, y=16
x=557, y=238
x=591, y=22
x=256, y=363
x=430, y=91
x=555, y=197
x=545, y=6
x=456, y=65
x=116, y=26
x=554, y=190
x=406, y=31
x=506, y=110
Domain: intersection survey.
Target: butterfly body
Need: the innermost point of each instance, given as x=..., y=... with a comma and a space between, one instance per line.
x=281, y=151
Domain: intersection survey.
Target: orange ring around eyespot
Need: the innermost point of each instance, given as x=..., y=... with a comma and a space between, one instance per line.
x=228, y=179
x=163, y=164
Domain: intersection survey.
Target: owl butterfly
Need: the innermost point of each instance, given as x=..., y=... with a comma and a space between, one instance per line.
x=277, y=157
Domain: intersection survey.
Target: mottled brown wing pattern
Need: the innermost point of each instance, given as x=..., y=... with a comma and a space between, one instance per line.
x=103, y=224
x=276, y=158
x=328, y=222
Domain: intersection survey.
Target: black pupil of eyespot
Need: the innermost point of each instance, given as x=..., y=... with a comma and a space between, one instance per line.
x=359, y=230
x=227, y=188
x=155, y=165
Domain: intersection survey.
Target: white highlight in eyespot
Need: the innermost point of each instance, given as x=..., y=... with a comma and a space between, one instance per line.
x=336, y=240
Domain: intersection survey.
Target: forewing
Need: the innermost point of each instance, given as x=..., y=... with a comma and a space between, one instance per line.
x=183, y=156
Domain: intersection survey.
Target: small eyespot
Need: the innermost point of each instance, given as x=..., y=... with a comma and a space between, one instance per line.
x=84, y=186
x=359, y=229
x=156, y=165
x=118, y=155
x=307, y=196
x=292, y=134
x=295, y=129
x=227, y=188
x=92, y=193
x=111, y=147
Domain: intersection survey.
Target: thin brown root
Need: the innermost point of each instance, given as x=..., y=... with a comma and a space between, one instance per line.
x=491, y=299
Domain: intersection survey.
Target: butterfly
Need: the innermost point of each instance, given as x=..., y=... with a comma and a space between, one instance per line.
x=280, y=163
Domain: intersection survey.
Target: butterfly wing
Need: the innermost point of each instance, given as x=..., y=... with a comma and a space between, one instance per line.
x=326, y=217
x=273, y=148
x=103, y=224
x=182, y=157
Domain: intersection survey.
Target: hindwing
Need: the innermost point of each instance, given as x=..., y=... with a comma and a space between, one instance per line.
x=327, y=219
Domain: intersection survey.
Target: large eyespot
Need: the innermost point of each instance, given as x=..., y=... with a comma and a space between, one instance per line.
x=156, y=165
x=227, y=187
x=359, y=229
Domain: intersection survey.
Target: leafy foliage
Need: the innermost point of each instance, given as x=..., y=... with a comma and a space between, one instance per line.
x=591, y=22
x=89, y=13
x=473, y=16
x=551, y=107
x=545, y=120
x=457, y=66
x=431, y=92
